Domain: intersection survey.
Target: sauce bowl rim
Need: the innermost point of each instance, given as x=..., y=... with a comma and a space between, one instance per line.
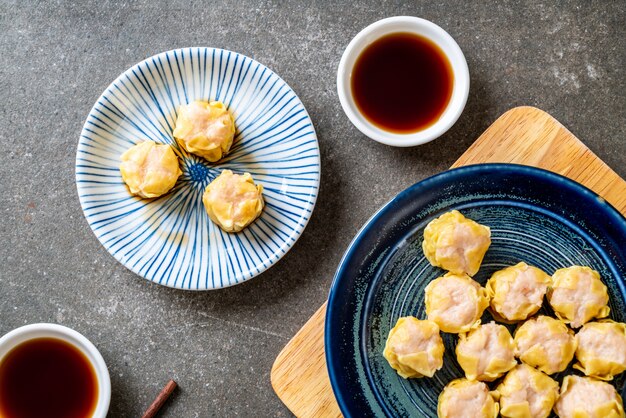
x=417, y=26
x=30, y=332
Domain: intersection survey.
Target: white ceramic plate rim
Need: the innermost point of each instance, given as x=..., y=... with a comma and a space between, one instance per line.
x=273, y=258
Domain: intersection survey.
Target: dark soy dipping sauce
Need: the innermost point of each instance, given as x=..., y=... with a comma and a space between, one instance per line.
x=402, y=83
x=47, y=377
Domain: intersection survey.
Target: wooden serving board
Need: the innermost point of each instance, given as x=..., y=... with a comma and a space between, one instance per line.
x=523, y=135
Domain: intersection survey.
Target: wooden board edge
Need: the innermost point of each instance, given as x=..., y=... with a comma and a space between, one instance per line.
x=291, y=347
x=608, y=174
x=598, y=184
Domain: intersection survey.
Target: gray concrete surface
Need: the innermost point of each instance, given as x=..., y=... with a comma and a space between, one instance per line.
x=57, y=57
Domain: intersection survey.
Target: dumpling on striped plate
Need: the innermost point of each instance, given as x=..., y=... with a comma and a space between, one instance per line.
x=577, y=295
x=206, y=129
x=455, y=302
x=586, y=397
x=545, y=343
x=456, y=243
x=467, y=398
x=601, y=349
x=414, y=348
x=150, y=169
x=233, y=201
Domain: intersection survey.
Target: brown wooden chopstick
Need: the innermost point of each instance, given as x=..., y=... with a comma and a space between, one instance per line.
x=158, y=402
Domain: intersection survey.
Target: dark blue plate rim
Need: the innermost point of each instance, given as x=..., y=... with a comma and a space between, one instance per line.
x=343, y=396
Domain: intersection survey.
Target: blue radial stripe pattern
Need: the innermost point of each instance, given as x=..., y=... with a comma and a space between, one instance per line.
x=170, y=240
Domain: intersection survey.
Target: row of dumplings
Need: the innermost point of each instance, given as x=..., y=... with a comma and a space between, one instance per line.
x=486, y=352
x=526, y=392
x=206, y=129
x=544, y=345
x=576, y=294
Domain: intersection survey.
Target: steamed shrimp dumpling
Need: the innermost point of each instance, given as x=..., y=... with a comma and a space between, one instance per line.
x=526, y=392
x=601, y=351
x=455, y=302
x=486, y=353
x=577, y=295
x=545, y=343
x=585, y=397
x=233, y=201
x=206, y=129
x=150, y=169
x=517, y=292
x=455, y=243
x=467, y=398
x=414, y=348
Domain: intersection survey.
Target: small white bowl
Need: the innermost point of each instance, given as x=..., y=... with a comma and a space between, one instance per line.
x=29, y=332
x=416, y=26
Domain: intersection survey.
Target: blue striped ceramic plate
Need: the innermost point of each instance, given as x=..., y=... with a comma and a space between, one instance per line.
x=535, y=216
x=170, y=240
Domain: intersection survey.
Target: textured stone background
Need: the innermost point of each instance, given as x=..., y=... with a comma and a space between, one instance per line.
x=566, y=57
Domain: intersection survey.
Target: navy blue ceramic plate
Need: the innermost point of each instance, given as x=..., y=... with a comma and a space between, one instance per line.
x=535, y=216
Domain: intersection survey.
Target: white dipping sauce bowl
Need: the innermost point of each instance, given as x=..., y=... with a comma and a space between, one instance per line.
x=417, y=26
x=30, y=332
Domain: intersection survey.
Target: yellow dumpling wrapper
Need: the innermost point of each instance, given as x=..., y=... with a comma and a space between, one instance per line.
x=486, y=353
x=577, y=295
x=233, y=201
x=601, y=351
x=150, y=169
x=527, y=393
x=517, y=292
x=545, y=343
x=467, y=398
x=206, y=129
x=414, y=348
x=585, y=397
x=455, y=302
x=455, y=243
